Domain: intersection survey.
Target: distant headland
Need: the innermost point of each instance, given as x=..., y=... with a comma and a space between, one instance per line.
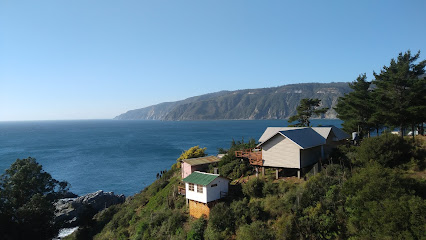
x=261, y=103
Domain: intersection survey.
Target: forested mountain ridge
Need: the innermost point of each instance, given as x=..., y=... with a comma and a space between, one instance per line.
x=262, y=103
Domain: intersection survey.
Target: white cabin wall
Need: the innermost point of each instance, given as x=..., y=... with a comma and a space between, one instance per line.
x=194, y=195
x=279, y=151
x=213, y=193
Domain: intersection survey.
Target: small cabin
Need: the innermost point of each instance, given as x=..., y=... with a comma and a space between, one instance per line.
x=201, y=164
x=203, y=190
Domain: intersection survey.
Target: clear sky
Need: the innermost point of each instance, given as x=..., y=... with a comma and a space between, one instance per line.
x=85, y=59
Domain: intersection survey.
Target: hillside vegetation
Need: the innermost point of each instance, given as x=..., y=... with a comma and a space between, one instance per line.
x=263, y=103
x=358, y=195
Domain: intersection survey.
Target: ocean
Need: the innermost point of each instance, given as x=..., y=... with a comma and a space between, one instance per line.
x=121, y=156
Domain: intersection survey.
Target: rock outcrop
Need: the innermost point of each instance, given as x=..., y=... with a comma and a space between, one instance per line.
x=72, y=210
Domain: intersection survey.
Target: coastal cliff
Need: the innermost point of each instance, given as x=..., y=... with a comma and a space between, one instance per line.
x=263, y=103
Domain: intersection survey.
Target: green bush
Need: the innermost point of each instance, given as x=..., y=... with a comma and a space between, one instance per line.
x=284, y=227
x=221, y=217
x=388, y=150
x=269, y=188
x=254, y=187
x=197, y=230
x=256, y=210
x=241, y=211
x=221, y=222
x=276, y=206
x=256, y=230
x=380, y=204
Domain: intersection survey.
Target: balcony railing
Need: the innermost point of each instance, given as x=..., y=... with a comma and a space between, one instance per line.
x=253, y=155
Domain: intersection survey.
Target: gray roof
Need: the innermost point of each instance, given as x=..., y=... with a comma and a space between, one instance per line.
x=324, y=131
x=271, y=131
x=340, y=134
x=304, y=137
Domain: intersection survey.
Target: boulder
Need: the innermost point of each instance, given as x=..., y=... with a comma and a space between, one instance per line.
x=72, y=210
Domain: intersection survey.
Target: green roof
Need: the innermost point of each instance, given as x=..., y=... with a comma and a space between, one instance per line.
x=200, y=178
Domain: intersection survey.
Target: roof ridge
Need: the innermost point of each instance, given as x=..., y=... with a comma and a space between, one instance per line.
x=207, y=173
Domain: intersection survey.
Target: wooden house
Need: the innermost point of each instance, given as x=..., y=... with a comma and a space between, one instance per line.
x=203, y=190
x=201, y=164
x=296, y=148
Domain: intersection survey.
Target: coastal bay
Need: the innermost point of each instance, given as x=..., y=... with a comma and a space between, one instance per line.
x=118, y=155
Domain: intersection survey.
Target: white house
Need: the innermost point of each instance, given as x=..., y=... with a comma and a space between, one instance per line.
x=203, y=190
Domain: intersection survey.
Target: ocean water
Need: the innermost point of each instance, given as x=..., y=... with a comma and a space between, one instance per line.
x=118, y=155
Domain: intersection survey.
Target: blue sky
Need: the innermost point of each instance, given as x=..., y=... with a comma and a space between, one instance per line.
x=97, y=59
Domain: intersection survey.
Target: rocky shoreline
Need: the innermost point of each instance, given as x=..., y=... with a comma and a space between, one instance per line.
x=73, y=209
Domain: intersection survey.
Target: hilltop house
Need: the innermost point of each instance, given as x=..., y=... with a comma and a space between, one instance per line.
x=203, y=190
x=188, y=166
x=296, y=148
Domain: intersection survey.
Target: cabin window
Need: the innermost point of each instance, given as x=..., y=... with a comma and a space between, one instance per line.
x=199, y=188
x=214, y=185
x=191, y=187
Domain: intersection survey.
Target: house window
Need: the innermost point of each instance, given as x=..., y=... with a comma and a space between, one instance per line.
x=191, y=187
x=199, y=188
x=214, y=185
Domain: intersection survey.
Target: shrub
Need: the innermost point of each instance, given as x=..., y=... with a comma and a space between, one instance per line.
x=284, y=227
x=241, y=212
x=256, y=230
x=197, y=230
x=269, y=188
x=277, y=206
x=221, y=217
x=379, y=205
x=254, y=187
x=388, y=150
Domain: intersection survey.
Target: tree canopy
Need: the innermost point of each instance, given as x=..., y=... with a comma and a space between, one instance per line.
x=401, y=91
x=307, y=108
x=357, y=108
x=395, y=98
x=27, y=194
x=193, y=152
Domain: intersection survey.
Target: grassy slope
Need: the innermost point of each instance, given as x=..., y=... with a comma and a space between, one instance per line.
x=130, y=221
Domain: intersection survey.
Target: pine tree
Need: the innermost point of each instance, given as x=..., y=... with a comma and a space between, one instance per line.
x=401, y=91
x=357, y=108
x=307, y=108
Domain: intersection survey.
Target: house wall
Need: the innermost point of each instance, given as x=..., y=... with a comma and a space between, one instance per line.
x=197, y=209
x=194, y=195
x=213, y=193
x=309, y=156
x=279, y=151
x=186, y=169
x=330, y=144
